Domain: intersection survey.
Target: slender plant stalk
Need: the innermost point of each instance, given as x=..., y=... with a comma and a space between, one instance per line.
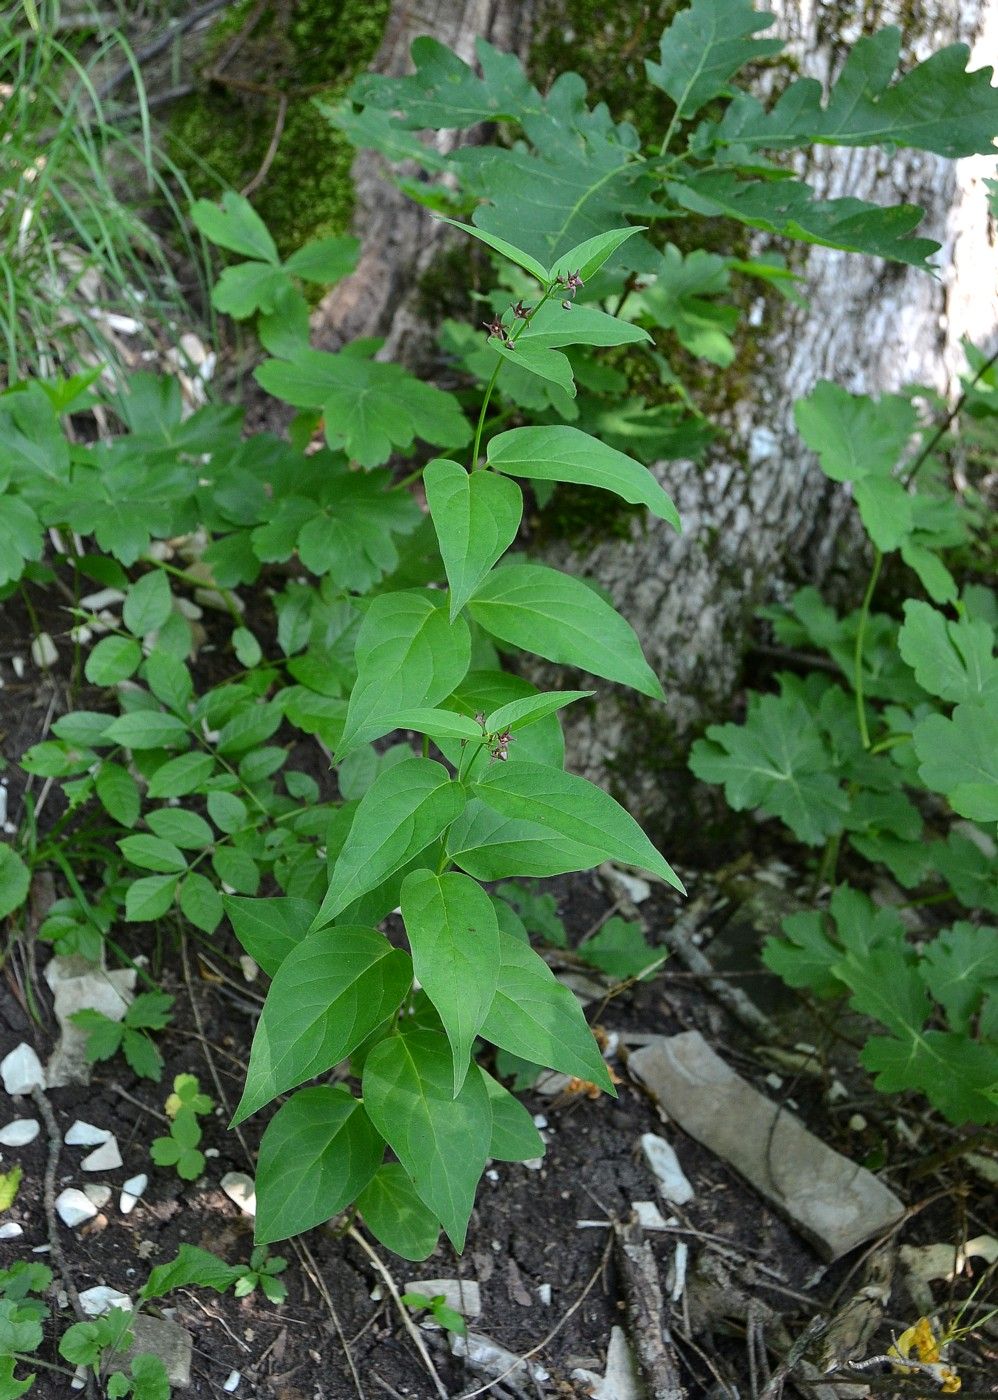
x=864, y=614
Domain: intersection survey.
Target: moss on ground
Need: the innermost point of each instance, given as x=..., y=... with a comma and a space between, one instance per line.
x=223, y=132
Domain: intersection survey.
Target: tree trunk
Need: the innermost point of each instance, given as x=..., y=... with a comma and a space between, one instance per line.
x=758, y=516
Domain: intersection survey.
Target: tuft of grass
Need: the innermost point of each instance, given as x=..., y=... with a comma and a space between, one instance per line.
x=88, y=204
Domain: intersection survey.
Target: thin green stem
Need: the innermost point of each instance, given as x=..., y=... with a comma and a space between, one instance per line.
x=864, y=614
x=224, y=593
x=514, y=336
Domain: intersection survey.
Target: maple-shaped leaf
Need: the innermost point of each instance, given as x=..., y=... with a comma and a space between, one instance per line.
x=369, y=409
x=937, y=106
x=967, y=869
x=788, y=208
x=960, y=968
x=959, y=757
x=704, y=47
x=952, y=660
x=677, y=300
x=776, y=760
x=445, y=93
x=854, y=435
x=814, y=943
x=957, y=1075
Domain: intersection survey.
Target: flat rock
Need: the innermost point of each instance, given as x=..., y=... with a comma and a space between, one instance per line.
x=106, y=1158
x=240, y=1189
x=163, y=1338
x=620, y=1380
x=461, y=1294
x=21, y=1070
x=664, y=1164
x=20, y=1132
x=11, y=1231
x=73, y=1208
x=834, y=1203
x=85, y=1135
x=99, y=1194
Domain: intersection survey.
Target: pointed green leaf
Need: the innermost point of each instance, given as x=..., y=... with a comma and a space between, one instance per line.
x=15, y=880
x=514, y=1135
x=490, y=846
x=113, y=659
x=438, y=724
x=317, y=1155
x=327, y=996
x=560, y=618
x=454, y=937
x=152, y=853
x=518, y=714
x=179, y=776
x=575, y=808
x=118, y=793
x=441, y=1141
x=506, y=249
x=536, y=1017
x=476, y=518
x=409, y=655
x=147, y=603
x=559, y=453
x=586, y=258
x=404, y=809
x=236, y=226
x=396, y=1216
x=268, y=929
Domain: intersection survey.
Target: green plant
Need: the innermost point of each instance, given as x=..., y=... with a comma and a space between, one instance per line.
x=180, y=1149
x=97, y=1344
x=21, y=1317
x=262, y=1273
x=150, y=1011
x=437, y=1306
x=899, y=762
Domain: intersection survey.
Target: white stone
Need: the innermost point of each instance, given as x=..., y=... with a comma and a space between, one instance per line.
x=621, y=1380
x=104, y=598
x=648, y=1215
x=22, y=1071
x=86, y=1135
x=106, y=1158
x=99, y=1194
x=101, y=1299
x=44, y=652
x=544, y=1293
x=231, y=1380
x=76, y=986
x=131, y=1191
x=73, y=1207
x=11, y=1231
x=20, y=1132
x=461, y=1294
x=664, y=1163
x=240, y=1189
x=79, y=1381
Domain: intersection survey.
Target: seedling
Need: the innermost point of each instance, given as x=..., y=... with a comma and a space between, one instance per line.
x=180, y=1150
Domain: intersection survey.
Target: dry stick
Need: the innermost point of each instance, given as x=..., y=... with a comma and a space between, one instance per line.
x=305, y=1257
x=157, y=45
x=268, y=159
x=410, y=1326
x=646, y=1311
x=525, y=1356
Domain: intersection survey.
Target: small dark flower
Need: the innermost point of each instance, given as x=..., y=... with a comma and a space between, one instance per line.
x=573, y=282
x=521, y=312
x=480, y=718
x=495, y=327
x=510, y=344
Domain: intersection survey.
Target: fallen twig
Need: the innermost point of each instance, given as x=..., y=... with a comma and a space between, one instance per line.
x=410, y=1326
x=646, y=1313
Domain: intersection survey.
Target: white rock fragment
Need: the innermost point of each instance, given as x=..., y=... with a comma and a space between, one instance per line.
x=636, y=889
x=533, y=1164
x=648, y=1215
x=44, y=652
x=98, y=1193
x=86, y=1135
x=79, y=1381
x=484, y=1355
x=11, y=1231
x=678, y=1271
x=106, y=1158
x=231, y=1381
x=544, y=1293
x=461, y=1294
x=664, y=1163
x=250, y=969
x=101, y=1299
x=20, y=1132
x=131, y=1191
x=76, y=986
x=73, y=1207
x=22, y=1071
x=240, y=1189
x=103, y=598
x=620, y=1381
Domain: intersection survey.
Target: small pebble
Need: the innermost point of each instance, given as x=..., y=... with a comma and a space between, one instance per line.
x=20, y=1132
x=858, y=1123
x=544, y=1293
x=648, y=1215
x=240, y=1189
x=232, y=1380
x=22, y=1071
x=11, y=1231
x=73, y=1208
x=100, y=1195
x=540, y=1121
x=86, y=1135
x=664, y=1163
x=106, y=1158
x=44, y=652
x=79, y=1381
x=131, y=1191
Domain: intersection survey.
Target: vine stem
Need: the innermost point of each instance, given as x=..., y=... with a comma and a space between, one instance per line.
x=864, y=615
